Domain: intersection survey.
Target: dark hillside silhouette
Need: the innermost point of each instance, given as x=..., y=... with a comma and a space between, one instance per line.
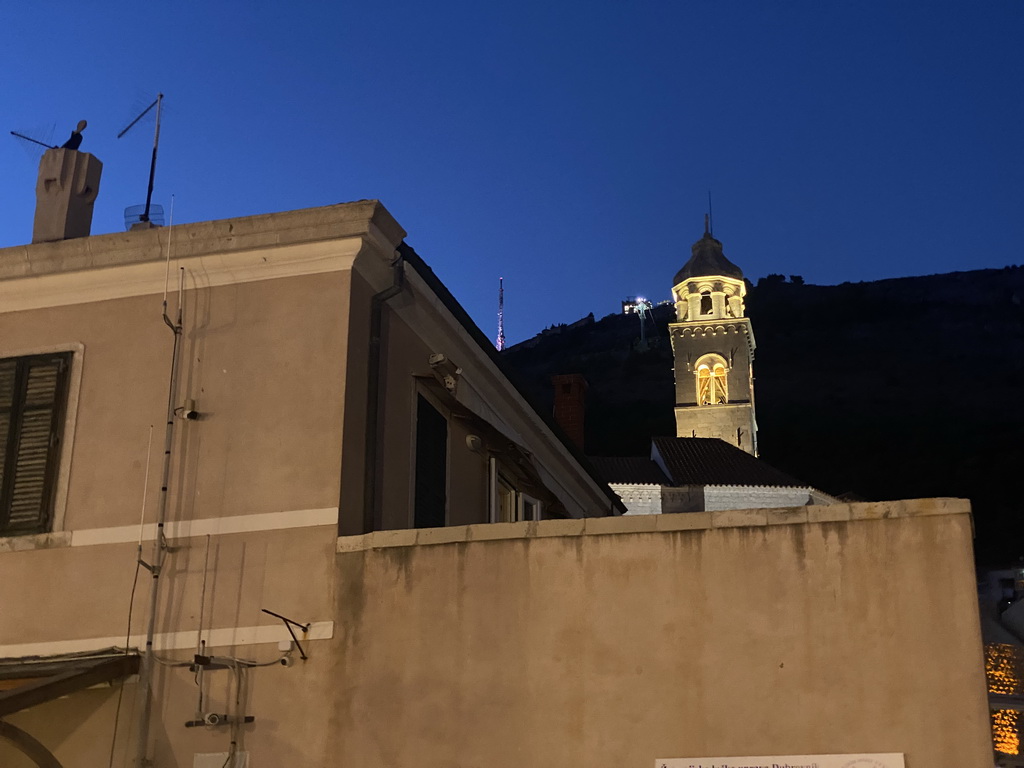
x=898, y=388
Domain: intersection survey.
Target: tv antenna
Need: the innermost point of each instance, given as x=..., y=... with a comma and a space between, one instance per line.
x=500, y=345
x=23, y=137
x=144, y=216
x=73, y=142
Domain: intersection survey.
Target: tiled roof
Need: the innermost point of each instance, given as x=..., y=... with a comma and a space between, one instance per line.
x=707, y=260
x=710, y=461
x=634, y=470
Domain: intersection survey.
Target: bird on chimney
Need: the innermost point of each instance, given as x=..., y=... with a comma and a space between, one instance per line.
x=76, y=137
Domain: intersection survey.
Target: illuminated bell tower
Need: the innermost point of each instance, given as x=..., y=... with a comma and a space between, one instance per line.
x=713, y=348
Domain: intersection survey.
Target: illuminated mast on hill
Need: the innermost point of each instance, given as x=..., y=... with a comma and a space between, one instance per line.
x=501, y=314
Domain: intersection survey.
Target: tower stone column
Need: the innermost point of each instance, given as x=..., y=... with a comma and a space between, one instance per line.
x=713, y=349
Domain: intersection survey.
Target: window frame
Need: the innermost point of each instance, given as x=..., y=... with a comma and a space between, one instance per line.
x=59, y=473
x=528, y=502
x=521, y=502
x=421, y=393
x=717, y=375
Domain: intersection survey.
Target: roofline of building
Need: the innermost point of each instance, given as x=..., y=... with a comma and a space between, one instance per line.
x=362, y=218
x=366, y=220
x=484, y=343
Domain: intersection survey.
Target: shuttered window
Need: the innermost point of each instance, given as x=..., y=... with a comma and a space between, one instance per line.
x=33, y=391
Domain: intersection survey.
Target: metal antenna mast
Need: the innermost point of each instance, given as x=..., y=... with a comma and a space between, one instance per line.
x=501, y=314
x=156, y=143
x=34, y=141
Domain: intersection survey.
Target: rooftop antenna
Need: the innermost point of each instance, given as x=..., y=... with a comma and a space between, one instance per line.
x=73, y=142
x=710, y=221
x=19, y=135
x=501, y=314
x=144, y=217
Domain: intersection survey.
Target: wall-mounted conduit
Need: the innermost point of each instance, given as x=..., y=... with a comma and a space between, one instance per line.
x=160, y=544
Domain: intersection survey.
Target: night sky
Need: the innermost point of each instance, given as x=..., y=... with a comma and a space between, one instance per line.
x=566, y=146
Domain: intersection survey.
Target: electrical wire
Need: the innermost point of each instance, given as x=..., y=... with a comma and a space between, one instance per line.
x=247, y=663
x=236, y=719
x=127, y=649
x=131, y=597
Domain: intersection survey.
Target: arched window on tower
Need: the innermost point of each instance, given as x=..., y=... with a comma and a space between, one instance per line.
x=706, y=305
x=712, y=386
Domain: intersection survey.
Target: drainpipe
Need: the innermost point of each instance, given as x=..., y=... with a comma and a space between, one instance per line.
x=371, y=516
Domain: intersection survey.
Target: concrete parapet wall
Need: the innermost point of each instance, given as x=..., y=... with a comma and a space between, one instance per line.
x=850, y=628
x=718, y=497
x=626, y=524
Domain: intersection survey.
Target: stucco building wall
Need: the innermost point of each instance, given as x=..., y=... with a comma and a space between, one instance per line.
x=275, y=355
x=841, y=629
x=717, y=497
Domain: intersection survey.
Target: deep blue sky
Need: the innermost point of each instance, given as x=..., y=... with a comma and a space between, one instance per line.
x=567, y=146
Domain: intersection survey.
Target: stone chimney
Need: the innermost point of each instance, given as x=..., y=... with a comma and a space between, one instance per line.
x=570, y=394
x=65, y=192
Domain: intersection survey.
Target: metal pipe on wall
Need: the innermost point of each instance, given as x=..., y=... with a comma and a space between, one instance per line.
x=160, y=544
x=371, y=517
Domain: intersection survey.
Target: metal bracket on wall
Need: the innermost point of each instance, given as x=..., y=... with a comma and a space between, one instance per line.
x=288, y=624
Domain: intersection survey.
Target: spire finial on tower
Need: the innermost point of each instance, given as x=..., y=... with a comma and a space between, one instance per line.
x=707, y=224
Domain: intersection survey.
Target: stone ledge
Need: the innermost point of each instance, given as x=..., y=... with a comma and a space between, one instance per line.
x=787, y=516
x=35, y=541
x=683, y=521
x=653, y=524
x=832, y=513
x=204, y=238
x=739, y=518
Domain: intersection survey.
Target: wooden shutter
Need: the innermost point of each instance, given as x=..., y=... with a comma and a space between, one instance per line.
x=32, y=395
x=8, y=369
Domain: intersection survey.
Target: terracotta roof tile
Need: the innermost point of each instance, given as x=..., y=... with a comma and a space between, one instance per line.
x=635, y=470
x=710, y=461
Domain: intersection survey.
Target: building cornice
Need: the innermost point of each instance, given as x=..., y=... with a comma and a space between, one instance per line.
x=212, y=253
x=704, y=327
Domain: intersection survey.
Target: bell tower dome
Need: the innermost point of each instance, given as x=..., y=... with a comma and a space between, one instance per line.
x=713, y=348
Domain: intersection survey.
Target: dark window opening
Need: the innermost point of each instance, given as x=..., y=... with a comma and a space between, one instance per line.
x=431, y=491
x=33, y=391
x=706, y=307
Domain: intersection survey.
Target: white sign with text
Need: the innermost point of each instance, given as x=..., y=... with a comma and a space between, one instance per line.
x=889, y=760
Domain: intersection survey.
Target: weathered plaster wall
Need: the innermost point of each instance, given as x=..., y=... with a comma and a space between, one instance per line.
x=264, y=362
x=288, y=571
x=718, y=497
x=610, y=642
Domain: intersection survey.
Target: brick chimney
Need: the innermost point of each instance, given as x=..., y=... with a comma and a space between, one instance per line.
x=65, y=192
x=570, y=396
